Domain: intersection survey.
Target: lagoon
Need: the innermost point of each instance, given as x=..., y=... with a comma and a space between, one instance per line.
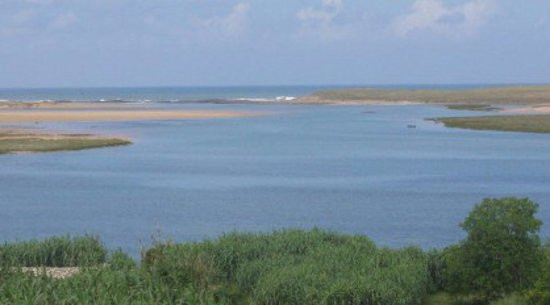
x=352, y=169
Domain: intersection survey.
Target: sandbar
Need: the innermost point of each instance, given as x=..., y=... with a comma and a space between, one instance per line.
x=18, y=116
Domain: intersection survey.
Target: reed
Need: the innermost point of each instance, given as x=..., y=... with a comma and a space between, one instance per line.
x=63, y=251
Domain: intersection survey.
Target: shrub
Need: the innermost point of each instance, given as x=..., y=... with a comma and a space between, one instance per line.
x=502, y=251
x=540, y=293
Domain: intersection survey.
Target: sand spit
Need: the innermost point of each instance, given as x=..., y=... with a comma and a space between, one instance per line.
x=17, y=116
x=534, y=109
x=67, y=105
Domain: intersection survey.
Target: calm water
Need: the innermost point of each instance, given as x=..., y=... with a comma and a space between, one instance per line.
x=349, y=169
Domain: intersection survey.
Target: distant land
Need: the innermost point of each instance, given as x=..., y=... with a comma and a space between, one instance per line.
x=517, y=123
x=505, y=95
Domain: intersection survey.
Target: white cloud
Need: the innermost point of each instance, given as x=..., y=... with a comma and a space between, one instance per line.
x=325, y=14
x=319, y=21
x=433, y=15
x=232, y=24
x=63, y=20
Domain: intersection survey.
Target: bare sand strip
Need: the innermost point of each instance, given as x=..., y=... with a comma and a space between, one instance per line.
x=68, y=105
x=13, y=116
x=534, y=109
x=53, y=272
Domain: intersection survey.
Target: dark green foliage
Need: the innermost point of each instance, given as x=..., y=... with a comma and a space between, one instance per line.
x=437, y=265
x=540, y=293
x=121, y=261
x=501, y=253
x=54, y=252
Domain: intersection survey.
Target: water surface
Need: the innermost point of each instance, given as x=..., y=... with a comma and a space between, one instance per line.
x=349, y=169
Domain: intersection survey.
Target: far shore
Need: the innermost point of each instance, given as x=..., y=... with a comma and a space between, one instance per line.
x=513, y=99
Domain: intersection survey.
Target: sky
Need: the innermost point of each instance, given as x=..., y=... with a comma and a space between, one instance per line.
x=95, y=43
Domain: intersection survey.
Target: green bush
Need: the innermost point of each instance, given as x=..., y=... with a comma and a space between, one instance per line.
x=119, y=260
x=540, y=293
x=54, y=252
x=501, y=253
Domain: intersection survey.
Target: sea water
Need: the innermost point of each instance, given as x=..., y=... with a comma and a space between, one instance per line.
x=350, y=169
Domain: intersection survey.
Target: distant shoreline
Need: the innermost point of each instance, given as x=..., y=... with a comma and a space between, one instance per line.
x=18, y=139
x=506, y=95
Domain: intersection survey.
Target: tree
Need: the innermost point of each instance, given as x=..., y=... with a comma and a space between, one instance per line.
x=540, y=294
x=502, y=251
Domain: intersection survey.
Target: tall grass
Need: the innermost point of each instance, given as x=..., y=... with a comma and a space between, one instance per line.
x=54, y=252
x=294, y=267
x=284, y=267
x=288, y=267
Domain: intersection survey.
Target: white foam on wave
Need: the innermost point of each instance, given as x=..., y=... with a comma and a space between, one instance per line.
x=265, y=99
x=285, y=98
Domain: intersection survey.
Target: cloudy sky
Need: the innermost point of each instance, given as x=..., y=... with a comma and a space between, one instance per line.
x=45, y=43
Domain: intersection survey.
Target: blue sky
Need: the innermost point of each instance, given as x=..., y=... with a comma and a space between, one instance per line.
x=52, y=43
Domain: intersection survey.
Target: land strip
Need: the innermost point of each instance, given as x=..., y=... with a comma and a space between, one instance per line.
x=25, y=140
x=16, y=116
x=509, y=95
x=518, y=123
x=17, y=139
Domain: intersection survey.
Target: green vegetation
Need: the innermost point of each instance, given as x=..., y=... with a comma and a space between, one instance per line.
x=494, y=95
x=502, y=252
x=540, y=294
x=518, y=123
x=18, y=142
x=54, y=252
x=295, y=267
x=472, y=107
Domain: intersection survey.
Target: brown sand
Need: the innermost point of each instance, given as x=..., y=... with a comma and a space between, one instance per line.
x=17, y=116
x=67, y=105
x=534, y=109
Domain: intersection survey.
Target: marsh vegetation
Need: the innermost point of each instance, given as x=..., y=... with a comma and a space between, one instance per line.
x=501, y=261
x=26, y=141
x=539, y=123
x=492, y=95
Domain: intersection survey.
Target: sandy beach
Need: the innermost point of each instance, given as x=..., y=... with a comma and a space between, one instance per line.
x=68, y=105
x=75, y=115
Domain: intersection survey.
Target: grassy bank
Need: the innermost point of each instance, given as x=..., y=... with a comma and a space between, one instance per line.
x=500, y=262
x=492, y=96
x=12, y=142
x=285, y=267
x=518, y=123
x=473, y=107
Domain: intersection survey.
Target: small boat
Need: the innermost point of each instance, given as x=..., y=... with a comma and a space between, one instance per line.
x=411, y=126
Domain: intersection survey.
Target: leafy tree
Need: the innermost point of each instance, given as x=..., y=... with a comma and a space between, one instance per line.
x=540, y=294
x=502, y=252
